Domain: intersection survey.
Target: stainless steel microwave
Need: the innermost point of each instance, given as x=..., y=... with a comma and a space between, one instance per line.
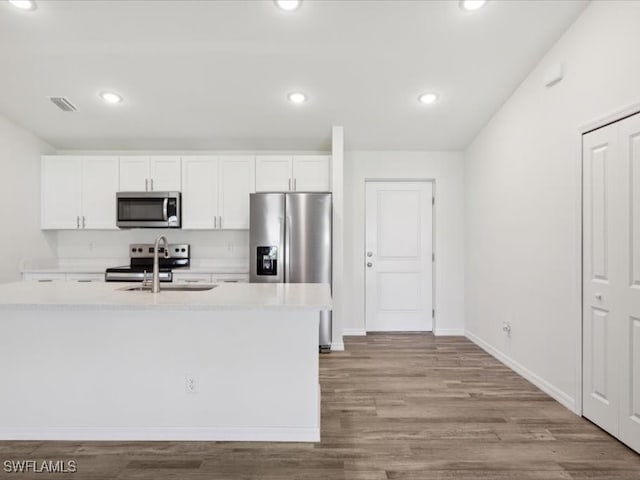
x=148, y=210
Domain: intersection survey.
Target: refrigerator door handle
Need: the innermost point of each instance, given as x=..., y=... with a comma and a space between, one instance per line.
x=287, y=248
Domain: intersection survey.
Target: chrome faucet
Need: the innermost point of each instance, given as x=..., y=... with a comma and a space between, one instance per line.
x=155, y=287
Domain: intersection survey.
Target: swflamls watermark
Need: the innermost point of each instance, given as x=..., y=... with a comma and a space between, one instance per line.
x=40, y=466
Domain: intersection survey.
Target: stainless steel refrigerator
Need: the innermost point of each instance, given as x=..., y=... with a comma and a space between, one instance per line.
x=290, y=242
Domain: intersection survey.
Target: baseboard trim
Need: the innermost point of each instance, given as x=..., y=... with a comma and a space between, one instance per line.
x=452, y=332
x=337, y=347
x=554, y=392
x=354, y=332
x=210, y=434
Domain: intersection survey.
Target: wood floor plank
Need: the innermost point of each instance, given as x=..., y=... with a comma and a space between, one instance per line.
x=394, y=406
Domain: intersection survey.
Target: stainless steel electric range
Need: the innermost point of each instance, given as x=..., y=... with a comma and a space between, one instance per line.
x=140, y=266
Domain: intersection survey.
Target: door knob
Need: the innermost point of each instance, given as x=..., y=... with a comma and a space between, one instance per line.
x=369, y=264
x=369, y=254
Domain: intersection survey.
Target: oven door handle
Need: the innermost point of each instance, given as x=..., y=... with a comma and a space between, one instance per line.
x=165, y=209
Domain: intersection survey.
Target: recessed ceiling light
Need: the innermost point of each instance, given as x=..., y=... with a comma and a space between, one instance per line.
x=110, y=97
x=471, y=5
x=297, y=97
x=288, y=5
x=23, y=4
x=428, y=98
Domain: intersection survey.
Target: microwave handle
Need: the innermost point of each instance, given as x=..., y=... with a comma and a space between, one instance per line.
x=165, y=209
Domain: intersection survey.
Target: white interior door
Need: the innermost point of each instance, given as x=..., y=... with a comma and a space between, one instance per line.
x=611, y=310
x=600, y=271
x=630, y=294
x=398, y=256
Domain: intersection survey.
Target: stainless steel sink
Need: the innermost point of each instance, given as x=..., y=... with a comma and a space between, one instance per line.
x=172, y=287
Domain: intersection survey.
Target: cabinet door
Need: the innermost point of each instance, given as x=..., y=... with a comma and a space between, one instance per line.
x=199, y=193
x=134, y=174
x=100, y=179
x=61, y=192
x=179, y=277
x=236, y=180
x=44, y=277
x=165, y=174
x=85, y=277
x=273, y=173
x=312, y=173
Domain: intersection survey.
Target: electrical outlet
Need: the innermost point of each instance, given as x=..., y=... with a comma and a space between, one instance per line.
x=190, y=384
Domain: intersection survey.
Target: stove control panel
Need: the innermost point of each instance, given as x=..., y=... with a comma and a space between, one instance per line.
x=145, y=250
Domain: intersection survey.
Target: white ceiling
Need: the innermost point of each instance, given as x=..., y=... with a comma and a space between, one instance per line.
x=215, y=74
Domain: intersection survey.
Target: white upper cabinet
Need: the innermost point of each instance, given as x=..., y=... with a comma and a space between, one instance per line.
x=199, y=193
x=298, y=173
x=236, y=183
x=99, y=186
x=215, y=192
x=79, y=192
x=149, y=174
x=312, y=173
x=61, y=193
x=164, y=174
x=273, y=173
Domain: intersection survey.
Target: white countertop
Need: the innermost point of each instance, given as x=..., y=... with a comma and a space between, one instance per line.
x=61, y=295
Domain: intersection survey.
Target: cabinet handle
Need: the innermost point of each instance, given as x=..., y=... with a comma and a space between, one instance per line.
x=84, y=222
x=152, y=184
x=215, y=221
x=146, y=184
x=77, y=221
x=289, y=184
x=220, y=221
x=294, y=185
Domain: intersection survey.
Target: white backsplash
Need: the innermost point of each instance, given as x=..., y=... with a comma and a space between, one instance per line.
x=205, y=245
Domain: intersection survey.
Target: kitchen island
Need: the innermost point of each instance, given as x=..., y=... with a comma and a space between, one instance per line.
x=92, y=361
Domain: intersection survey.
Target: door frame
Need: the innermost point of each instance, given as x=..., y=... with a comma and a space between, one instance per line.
x=608, y=119
x=433, y=241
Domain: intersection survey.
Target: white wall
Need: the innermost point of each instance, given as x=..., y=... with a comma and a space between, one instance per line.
x=523, y=221
x=20, y=200
x=447, y=169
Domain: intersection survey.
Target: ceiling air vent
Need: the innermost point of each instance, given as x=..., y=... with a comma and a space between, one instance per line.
x=63, y=104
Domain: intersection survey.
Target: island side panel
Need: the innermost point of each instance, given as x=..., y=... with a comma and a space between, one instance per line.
x=91, y=374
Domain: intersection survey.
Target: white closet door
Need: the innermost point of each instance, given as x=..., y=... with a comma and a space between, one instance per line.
x=602, y=237
x=398, y=254
x=629, y=247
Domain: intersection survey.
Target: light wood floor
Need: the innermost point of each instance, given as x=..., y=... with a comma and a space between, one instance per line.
x=393, y=407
